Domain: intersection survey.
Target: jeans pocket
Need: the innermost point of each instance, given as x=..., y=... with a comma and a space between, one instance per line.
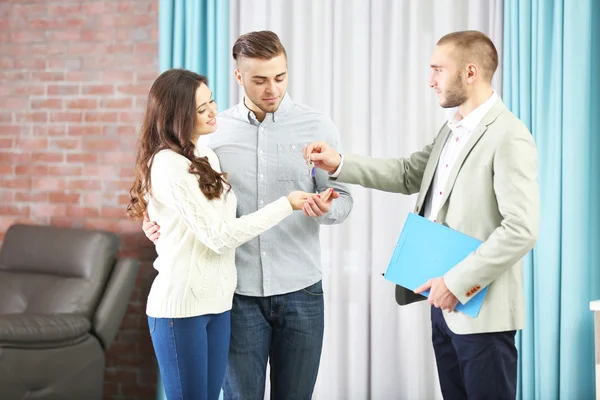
x=152, y=324
x=315, y=289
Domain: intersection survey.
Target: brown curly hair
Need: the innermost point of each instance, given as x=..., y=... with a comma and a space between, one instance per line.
x=169, y=123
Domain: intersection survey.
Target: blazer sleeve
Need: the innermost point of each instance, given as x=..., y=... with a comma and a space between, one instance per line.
x=396, y=175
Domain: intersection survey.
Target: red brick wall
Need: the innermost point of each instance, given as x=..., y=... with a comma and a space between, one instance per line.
x=74, y=76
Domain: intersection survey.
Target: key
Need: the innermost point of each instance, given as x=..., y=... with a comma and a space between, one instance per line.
x=311, y=168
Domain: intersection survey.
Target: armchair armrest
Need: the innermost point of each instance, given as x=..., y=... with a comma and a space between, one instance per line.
x=113, y=304
x=41, y=331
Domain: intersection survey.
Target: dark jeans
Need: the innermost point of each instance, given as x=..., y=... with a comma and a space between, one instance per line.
x=192, y=354
x=478, y=366
x=286, y=328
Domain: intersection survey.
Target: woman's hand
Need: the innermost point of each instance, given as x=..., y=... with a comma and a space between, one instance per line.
x=298, y=198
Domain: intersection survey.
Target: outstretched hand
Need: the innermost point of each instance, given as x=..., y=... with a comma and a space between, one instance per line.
x=323, y=156
x=320, y=204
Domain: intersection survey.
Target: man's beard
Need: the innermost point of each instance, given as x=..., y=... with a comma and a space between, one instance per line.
x=455, y=95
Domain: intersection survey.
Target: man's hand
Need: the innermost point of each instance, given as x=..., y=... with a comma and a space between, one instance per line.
x=150, y=229
x=439, y=294
x=323, y=156
x=319, y=205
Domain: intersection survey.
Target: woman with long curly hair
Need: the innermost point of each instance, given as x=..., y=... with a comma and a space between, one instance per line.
x=180, y=185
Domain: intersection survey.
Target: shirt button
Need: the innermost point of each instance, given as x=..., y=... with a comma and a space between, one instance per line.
x=262, y=202
x=261, y=176
x=293, y=147
x=260, y=151
x=264, y=253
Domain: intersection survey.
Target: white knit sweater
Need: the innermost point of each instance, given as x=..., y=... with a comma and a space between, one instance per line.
x=198, y=237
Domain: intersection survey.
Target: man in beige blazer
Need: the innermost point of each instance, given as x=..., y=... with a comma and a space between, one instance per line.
x=479, y=176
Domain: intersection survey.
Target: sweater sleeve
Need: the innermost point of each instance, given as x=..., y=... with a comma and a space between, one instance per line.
x=181, y=189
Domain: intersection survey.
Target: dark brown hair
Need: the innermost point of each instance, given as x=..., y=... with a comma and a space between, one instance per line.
x=474, y=46
x=169, y=123
x=259, y=44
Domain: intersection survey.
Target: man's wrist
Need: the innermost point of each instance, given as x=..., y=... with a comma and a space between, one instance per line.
x=338, y=170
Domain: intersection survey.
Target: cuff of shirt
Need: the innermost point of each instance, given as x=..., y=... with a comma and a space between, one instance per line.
x=338, y=171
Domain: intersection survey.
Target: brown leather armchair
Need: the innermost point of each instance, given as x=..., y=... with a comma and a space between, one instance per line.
x=63, y=295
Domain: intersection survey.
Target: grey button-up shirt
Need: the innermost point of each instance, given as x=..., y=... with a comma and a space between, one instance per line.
x=264, y=161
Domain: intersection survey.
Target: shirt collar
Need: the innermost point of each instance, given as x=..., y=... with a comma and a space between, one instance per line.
x=285, y=107
x=473, y=119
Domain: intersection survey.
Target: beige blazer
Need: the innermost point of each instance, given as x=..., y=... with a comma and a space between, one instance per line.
x=491, y=194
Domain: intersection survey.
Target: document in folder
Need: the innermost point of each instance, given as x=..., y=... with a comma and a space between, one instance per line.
x=428, y=250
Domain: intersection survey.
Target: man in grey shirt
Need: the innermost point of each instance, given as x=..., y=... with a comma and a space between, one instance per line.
x=278, y=310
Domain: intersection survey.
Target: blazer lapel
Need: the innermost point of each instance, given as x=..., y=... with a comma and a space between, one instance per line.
x=434, y=158
x=489, y=118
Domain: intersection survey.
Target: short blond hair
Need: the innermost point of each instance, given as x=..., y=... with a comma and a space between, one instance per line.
x=476, y=47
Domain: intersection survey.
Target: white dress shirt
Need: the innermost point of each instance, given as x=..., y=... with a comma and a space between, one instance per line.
x=461, y=128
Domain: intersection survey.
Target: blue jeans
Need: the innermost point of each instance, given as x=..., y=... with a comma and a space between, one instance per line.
x=192, y=354
x=286, y=328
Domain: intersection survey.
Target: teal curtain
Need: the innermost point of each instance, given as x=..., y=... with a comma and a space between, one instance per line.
x=194, y=34
x=550, y=81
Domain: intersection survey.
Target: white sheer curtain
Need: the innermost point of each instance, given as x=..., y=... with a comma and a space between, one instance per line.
x=366, y=64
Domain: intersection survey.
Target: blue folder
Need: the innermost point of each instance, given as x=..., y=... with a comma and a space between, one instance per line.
x=428, y=250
